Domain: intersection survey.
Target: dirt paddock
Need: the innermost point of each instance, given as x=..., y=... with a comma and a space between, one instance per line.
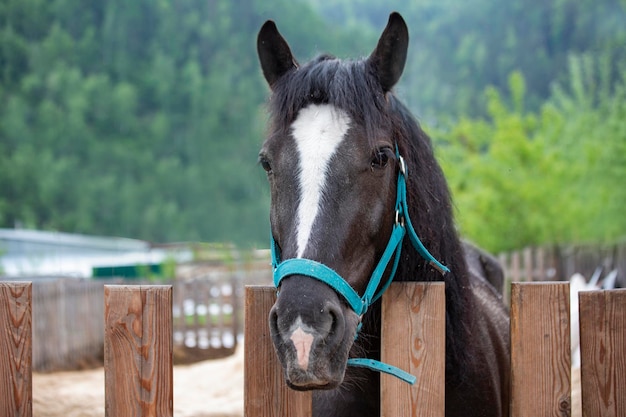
x=212, y=388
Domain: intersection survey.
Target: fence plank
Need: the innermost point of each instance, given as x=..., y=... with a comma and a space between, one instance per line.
x=527, y=255
x=16, y=389
x=413, y=339
x=60, y=341
x=540, y=257
x=138, y=351
x=515, y=267
x=265, y=392
x=603, y=352
x=540, y=349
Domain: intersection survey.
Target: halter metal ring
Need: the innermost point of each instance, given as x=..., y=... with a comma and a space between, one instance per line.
x=399, y=219
x=402, y=165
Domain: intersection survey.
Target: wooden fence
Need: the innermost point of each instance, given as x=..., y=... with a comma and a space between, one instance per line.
x=559, y=263
x=68, y=330
x=67, y=323
x=208, y=310
x=540, y=353
x=138, y=344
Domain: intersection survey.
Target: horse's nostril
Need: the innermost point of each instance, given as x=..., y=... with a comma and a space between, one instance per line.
x=273, y=320
x=334, y=318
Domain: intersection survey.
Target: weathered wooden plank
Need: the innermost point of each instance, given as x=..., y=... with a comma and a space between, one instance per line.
x=515, y=267
x=265, y=391
x=527, y=255
x=603, y=352
x=59, y=340
x=16, y=389
x=540, y=256
x=540, y=349
x=197, y=300
x=234, y=297
x=413, y=339
x=138, y=351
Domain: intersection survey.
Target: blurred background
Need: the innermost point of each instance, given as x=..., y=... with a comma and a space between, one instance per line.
x=143, y=118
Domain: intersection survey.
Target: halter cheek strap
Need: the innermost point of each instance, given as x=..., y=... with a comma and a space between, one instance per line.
x=360, y=304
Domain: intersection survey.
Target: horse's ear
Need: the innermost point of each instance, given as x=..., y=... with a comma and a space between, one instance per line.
x=274, y=53
x=389, y=57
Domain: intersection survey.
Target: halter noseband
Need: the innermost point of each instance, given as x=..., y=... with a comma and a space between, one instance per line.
x=360, y=304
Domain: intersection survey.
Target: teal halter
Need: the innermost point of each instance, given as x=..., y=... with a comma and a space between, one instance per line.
x=360, y=304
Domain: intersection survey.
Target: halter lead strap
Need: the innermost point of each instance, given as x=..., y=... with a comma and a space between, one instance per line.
x=360, y=304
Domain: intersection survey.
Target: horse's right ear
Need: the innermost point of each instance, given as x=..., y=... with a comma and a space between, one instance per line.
x=274, y=53
x=389, y=57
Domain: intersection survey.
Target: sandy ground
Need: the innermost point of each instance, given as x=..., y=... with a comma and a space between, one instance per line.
x=577, y=405
x=206, y=389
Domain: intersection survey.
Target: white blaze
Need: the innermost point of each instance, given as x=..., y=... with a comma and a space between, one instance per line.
x=318, y=131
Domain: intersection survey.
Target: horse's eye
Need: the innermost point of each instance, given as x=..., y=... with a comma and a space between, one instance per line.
x=380, y=157
x=265, y=164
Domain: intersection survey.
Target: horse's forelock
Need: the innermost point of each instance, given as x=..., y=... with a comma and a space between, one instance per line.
x=348, y=85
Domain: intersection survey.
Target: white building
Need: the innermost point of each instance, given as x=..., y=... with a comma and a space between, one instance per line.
x=32, y=252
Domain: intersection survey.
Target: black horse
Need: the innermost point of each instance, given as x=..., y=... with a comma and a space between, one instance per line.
x=337, y=143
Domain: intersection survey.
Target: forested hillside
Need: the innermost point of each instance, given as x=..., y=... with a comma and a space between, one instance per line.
x=143, y=118
x=137, y=118
x=458, y=48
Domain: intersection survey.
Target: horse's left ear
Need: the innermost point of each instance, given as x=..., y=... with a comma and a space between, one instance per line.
x=389, y=57
x=274, y=53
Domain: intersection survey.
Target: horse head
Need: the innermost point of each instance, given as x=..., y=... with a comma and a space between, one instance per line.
x=332, y=164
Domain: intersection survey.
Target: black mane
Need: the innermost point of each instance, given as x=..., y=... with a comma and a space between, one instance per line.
x=354, y=87
x=431, y=212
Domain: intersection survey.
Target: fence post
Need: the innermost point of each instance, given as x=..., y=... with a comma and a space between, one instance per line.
x=265, y=392
x=138, y=351
x=603, y=352
x=540, y=349
x=16, y=390
x=413, y=339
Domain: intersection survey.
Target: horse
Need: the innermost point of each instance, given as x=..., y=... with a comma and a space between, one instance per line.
x=357, y=200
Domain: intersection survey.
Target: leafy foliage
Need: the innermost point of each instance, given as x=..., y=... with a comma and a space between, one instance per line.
x=557, y=175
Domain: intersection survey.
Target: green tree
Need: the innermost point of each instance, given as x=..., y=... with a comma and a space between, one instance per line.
x=521, y=178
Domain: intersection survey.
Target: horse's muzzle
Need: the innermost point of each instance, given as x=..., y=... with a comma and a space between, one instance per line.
x=312, y=331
